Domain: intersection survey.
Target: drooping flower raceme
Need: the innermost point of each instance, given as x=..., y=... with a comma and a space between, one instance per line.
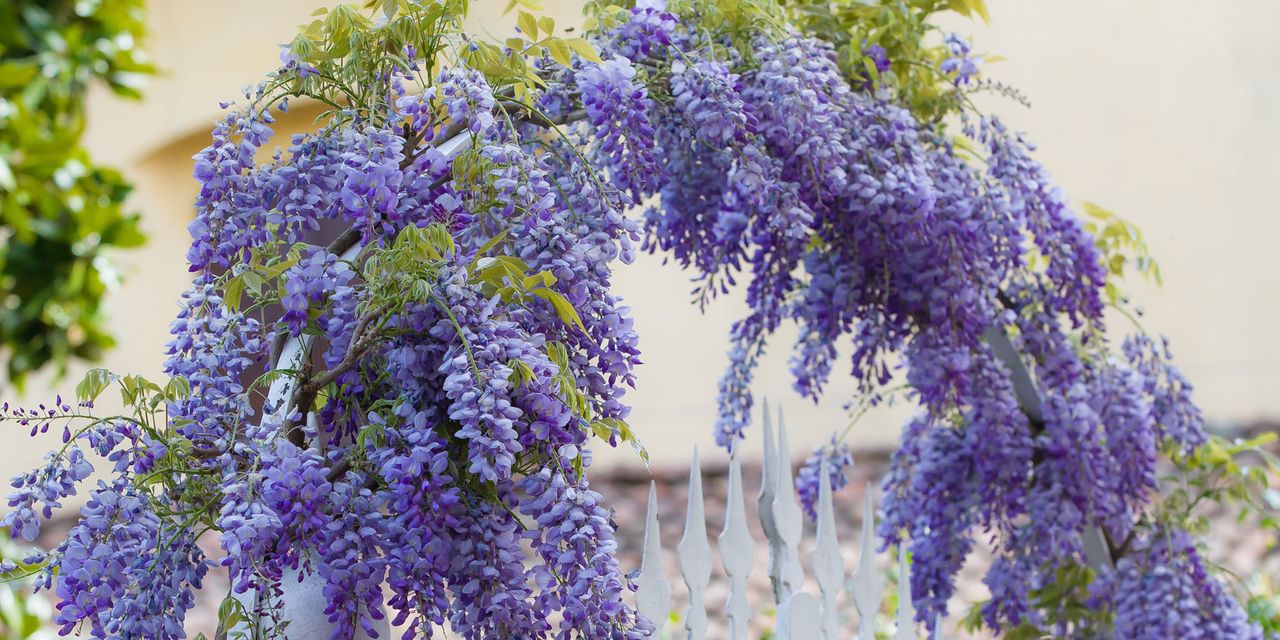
x=618, y=107
x=453, y=372
x=1163, y=590
x=959, y=65
x=845, y=214
x=839, y=459
x=452, y=355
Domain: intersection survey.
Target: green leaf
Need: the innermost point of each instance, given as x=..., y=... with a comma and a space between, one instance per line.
x=1025, y=632
x=489, y=245
x=584, y=49
x=528, y=24
x=94, y=382
x=969, y=8
x=268, y=377
x=125, y=233
x=253, y=281
x=973, y=620
x=980, y=7
x=16, y=74
x=521, y=373
x=607, y=428
x=560, y=51
x=274, y=271
x=439, y=239
x=602, y=430
x=178, y=388
x=135, y=391
x=231, y=612
x=564, y=310
x=7, y=181
x=559, y=354
x=547, y=25
x=541, y=278
x=233, y=292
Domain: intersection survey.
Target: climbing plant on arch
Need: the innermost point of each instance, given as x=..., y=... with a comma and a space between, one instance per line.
x=449, y=360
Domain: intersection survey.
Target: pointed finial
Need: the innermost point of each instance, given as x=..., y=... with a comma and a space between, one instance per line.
x=764, y=504
x=653, y=592
x=737, y=550
x=694, y=554
x=828, y=564
x=906, y=611
x=868, y=584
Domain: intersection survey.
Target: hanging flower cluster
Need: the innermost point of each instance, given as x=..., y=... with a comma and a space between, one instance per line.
x=961, y=259
x=1163, y=590
x=451, y=357
x=407, y=408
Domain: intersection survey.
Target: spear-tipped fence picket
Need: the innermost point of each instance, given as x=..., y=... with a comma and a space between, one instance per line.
x=801, y=615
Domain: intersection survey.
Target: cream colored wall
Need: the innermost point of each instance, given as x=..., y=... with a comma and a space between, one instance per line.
x=1166, y=111
x=1169, y=114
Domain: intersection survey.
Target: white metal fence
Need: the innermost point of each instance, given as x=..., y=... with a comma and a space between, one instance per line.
x=801, y=615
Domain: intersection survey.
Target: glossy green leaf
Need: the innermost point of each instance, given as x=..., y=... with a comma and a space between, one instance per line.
x=564, y=310
x=583, y=48
x=560, y=52
x=94, y=382
x=16, y=74
x=528, y=24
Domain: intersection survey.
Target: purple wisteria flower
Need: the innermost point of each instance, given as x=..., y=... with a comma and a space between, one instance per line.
x=839, y=460
x=425, y=455
x=618, y=106
x=311, y=281
x=1163, y=590
x=961, y=66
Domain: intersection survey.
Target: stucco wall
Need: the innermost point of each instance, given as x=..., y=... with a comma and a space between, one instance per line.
x=1166, y=111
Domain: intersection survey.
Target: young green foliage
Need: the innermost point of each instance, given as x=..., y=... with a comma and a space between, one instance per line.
x=62, y=214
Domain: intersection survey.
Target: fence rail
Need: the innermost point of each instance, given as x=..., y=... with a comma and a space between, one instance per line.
x=801, y=615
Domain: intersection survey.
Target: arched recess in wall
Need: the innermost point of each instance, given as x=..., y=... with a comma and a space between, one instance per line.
x=155, y=274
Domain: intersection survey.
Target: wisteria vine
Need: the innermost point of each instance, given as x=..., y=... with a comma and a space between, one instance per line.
x=459, y=346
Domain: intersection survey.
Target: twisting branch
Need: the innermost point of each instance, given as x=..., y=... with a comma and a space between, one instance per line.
x=310, y=383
